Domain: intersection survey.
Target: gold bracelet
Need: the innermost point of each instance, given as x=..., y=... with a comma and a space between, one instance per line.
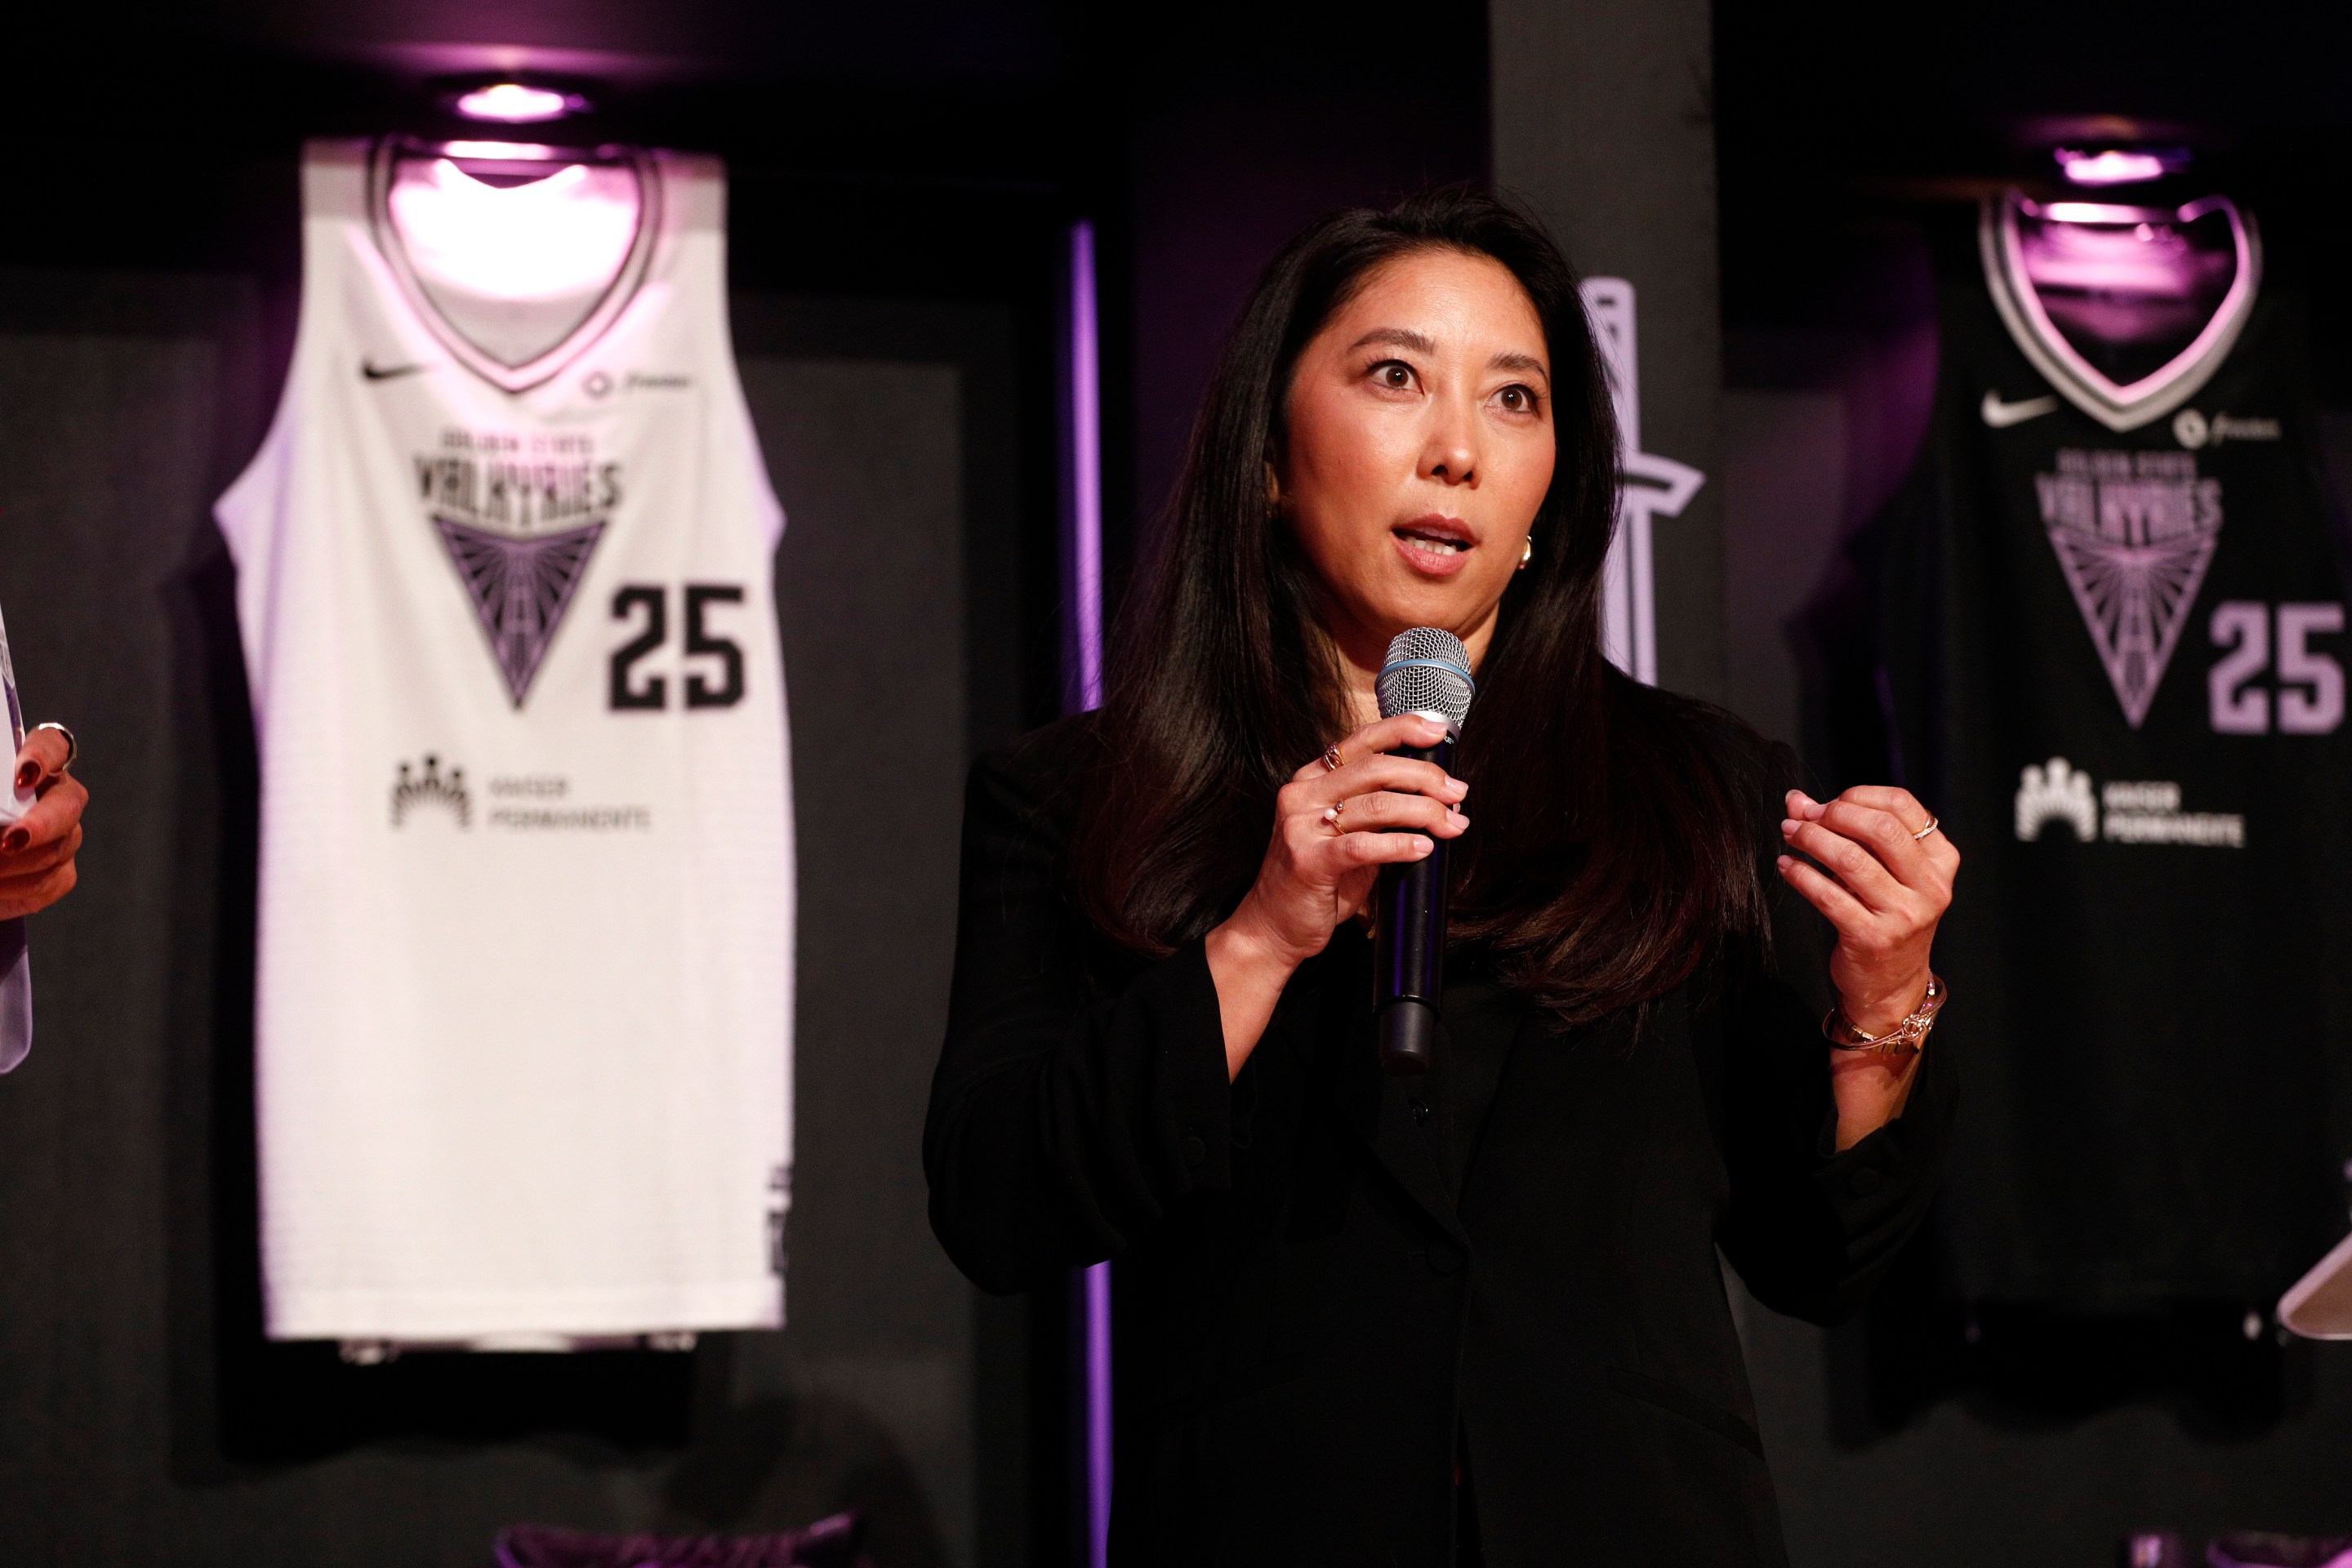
x=1902, y=1040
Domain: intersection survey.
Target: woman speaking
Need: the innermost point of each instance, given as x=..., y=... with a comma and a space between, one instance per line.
x=1472, y=1316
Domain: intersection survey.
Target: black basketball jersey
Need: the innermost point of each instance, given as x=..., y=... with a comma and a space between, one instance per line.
x=2113, y=622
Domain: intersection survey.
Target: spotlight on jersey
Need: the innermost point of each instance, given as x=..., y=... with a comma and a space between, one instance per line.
x=519, y=103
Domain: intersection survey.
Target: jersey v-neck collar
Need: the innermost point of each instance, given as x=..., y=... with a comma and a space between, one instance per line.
x=2129, y=406
x=543, y=367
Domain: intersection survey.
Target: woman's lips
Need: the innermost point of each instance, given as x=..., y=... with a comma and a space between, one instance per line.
x=1434, y=546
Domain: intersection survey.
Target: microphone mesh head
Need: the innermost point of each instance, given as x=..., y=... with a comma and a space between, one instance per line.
x=1427, y=671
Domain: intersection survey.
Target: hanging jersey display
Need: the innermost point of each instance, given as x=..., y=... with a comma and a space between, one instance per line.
x=522, y=1035
x=2113, y=637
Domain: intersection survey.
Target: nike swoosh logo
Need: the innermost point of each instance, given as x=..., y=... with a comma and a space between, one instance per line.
x=375, y=372
x=2001, y=415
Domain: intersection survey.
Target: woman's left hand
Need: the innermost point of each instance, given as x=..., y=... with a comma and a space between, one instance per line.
x=1884, y=889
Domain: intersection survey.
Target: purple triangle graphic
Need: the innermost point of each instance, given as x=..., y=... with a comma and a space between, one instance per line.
x=520, y=588
x=2135, y=554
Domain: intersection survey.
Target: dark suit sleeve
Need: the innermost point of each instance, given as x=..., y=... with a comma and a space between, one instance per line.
x=1064, y=1123
x=1809, y=1228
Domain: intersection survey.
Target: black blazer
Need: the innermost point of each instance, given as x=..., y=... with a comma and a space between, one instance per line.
x=1308, y=1321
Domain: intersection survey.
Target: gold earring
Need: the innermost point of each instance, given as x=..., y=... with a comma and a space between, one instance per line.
x=1527, y=552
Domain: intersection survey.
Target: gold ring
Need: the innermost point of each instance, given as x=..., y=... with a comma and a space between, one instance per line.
x=1331, y=761
x=1933, y=823
x=1331, y=817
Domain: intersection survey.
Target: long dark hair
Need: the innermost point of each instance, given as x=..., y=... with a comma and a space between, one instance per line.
x=1608, y=850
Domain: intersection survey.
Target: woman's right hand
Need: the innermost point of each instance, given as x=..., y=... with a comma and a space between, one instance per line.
x=1333, y=830
x=37, y=852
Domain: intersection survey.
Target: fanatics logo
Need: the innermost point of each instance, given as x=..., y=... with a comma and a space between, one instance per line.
x=2193, y=430
x=431, y=789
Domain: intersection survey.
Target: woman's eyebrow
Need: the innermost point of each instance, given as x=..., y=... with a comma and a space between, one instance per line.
x=1396, y=337
x=1526, y=362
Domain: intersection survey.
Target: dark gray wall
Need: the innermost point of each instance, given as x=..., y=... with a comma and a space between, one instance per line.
x=142, y=1420
x=1603, y=121
x=870, y=582
x=1783, y=493
x=1242, y=124
x=1970, y=1485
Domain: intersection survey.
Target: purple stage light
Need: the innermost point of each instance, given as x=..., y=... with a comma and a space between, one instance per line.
x=519, y=103
x=1098, y=1415
x=1082, y=649
x=1082, y=589
x=2119, y=165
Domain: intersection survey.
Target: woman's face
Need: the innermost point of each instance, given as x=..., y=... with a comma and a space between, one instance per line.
x=1418, y=444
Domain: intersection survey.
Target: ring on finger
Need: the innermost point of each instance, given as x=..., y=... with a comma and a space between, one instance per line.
x=1934, y=823
x=1331, y=817
x=73, y=747
x=1332, y=761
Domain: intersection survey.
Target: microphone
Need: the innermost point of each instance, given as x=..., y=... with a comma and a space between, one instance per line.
x=1427, y=671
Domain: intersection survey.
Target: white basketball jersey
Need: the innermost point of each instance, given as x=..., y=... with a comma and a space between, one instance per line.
x=526, y=949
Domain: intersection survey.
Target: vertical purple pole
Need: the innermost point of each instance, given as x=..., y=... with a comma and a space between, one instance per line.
x=1083, y=684
x=1098, y=1415
x=1082, y=587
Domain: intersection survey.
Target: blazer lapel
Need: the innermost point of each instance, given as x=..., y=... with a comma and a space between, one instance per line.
x=1402, y=1141
x=1334, y=1025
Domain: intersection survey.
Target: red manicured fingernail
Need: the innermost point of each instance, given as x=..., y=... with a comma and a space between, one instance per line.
x=27, y=775
x=16, y=839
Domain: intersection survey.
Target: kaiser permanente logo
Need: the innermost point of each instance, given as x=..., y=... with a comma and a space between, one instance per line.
x=2141, y=811
x=428, y=788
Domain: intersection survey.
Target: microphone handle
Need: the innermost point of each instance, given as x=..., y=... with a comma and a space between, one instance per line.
x=1409, y=949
